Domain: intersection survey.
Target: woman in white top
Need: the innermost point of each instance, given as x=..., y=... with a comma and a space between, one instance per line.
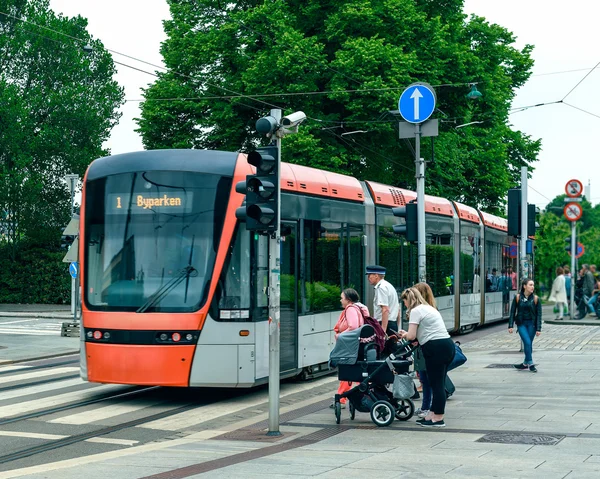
x=425, y=324
x=559, y=293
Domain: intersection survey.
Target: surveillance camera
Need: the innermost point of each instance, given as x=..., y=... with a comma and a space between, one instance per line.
x=293, y=120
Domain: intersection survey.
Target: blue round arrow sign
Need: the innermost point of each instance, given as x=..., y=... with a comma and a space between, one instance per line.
x=417, y=103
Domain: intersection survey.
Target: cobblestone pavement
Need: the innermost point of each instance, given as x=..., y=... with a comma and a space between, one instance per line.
x=565, y=337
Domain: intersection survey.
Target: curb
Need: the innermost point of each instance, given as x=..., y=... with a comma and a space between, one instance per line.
x=48, y=315
x=38, y=358
x=575, y=322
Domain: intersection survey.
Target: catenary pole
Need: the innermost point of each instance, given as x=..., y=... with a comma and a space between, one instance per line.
x=420, y=165
x=274, y=300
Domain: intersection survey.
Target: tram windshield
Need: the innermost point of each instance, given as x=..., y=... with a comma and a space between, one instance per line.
x=151, y=240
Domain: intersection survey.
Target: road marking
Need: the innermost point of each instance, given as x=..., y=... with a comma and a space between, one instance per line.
x=31, y=332
x=55, y=437
x=87, y=417
x=223, y=408
x=13, y=368
x=67, y=383
x=37, y=374
x=53, y=401
x=148, y=447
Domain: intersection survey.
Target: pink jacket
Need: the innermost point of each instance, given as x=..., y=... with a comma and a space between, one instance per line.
x=351, y=318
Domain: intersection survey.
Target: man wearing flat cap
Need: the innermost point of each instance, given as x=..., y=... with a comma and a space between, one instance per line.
x=386, y=306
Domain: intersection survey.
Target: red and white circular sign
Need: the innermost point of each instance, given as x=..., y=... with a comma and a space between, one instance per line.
x=574, y=188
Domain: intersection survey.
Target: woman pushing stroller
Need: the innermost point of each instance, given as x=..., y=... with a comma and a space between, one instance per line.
x=425, y=324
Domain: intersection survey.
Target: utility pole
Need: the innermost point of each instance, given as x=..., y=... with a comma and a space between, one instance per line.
x=573, y=262
x=523, y=244
x=420, y=164
x=262, y=214
x=72, y=180
x=274, y=299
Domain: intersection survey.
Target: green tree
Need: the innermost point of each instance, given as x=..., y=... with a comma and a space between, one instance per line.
x=58, y=102
x=355, y=57
x=550, y=246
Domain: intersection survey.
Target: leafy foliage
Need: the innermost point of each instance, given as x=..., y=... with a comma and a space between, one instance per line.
x=57, y=106
x=554, y=229
x=354, y=57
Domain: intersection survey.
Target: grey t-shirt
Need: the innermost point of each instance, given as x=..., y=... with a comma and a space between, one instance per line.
x=430, y=323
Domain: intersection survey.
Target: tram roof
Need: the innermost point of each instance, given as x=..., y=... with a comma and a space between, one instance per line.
x=302, y=179
x=493, y=221
x=467, y=213
x=385, y=195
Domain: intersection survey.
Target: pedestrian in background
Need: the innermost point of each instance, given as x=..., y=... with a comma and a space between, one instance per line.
x=526, y=311
x=386, y=307
x=558, y=293
x=352, y=317
x=589, y=284
x=504, y=285
x=425, y=324
x=568, y=280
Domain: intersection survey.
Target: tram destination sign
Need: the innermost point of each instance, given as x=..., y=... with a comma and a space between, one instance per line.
x=136, y=203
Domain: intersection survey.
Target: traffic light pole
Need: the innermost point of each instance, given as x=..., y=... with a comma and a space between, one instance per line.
x=573, y=261
x=524, y=235
x=420, y=164
x=274, y=300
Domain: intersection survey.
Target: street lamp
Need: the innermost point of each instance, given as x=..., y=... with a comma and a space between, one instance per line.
x=474, y=94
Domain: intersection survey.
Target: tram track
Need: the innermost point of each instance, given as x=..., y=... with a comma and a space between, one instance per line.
x=77, y=438
x=45, y=412
x=38, y=383
x=67, y=441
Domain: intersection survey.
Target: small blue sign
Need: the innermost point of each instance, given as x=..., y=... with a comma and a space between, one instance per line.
x=417, y=103
x=73, y=270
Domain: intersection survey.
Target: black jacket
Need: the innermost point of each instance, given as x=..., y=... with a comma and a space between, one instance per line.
x=520, y=309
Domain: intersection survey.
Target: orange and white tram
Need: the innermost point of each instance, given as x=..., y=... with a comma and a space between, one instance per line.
x=174, y=287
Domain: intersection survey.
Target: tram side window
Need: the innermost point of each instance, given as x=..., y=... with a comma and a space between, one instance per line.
x=323, y=265
x=353, y=258
x=233, y=289
x=440, y=264
x=493, y=263
x=469, y=260
x=398, y=257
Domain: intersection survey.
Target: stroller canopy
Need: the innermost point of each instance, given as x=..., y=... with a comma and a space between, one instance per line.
x=348, y=345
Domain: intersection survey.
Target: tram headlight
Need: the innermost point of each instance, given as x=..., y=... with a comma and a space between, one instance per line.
x=163, y=337
x=90, y=334
x=106, y=335
x=189, y=337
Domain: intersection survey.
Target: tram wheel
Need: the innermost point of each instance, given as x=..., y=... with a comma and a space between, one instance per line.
x=382, y=413
x=405, y=409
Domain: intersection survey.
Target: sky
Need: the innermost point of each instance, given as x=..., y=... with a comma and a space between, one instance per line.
x=565, y=39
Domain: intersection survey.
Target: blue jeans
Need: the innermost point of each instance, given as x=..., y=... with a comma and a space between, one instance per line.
x=591, y=303
x=527, y=333
x=426, y=403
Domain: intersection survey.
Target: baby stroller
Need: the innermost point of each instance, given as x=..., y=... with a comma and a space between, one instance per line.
x=356, y=358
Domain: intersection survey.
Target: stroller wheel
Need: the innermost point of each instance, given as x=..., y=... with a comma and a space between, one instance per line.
x=405, y=409
x=382, y=413
x=352, y=410
x=337, y=408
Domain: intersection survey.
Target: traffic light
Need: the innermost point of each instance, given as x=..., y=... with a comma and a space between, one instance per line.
x=514, y=212
x=568, y=247
x=260, y=211
x=531, y=219
x=411, y=227
x=66, y=241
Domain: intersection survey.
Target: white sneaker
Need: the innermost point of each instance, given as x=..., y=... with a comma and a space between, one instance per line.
x=422, y=412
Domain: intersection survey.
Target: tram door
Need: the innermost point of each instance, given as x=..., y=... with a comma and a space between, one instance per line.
x=289, y=297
